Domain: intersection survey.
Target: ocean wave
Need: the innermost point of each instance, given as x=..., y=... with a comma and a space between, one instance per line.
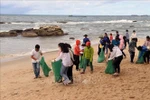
x=99, y=22
x=17, y=22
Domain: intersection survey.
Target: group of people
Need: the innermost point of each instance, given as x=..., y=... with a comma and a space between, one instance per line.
x=117, y=45
x=71, y=56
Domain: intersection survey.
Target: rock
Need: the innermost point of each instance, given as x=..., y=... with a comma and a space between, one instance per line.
x=8, y=34
x=64, y=22
x=72, y=38
x=2, y=22
x=113, y=30
x=66, y=33
x=131, y=26
x=49, y=31
x=29, y=29
x=134, y=21
x=42, y=31
x=29, y=34
x=16, y=31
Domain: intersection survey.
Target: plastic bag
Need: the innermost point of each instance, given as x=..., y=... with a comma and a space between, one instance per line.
x=141, y=59
x=56, y=66
x=81, y=62
x=45, y=67
x=101, y=57
x=109, y=68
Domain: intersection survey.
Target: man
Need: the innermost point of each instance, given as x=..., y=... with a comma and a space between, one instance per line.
x=127, y=37
x=86, y=39
x=132, y=46
x=117, y=35
x=36, y=56
x=88, y=55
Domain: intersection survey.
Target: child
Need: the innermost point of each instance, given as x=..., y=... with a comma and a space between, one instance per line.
x=66, y=62
x=132, y=46
x=77, y=54
x=116, y=56
x=88, y=55
x=111, y=37
x=36, y=56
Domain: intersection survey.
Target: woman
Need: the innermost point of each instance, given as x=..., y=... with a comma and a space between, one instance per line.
x=66, y=62
x=70, y=73
x=116, y=56
x=122, y=45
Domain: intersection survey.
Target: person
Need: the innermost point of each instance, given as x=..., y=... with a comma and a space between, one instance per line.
x=117, y=35
x=88, y=55
x=133, y=36
x=125, y=43
x=116, y=56
x=36, y=57
x=147, y=42
x=66, y=62
x=100, y=45
x=147, y=53
x=132, y=46
x=143, y=50
x=122, y=45
x=111, y=37
x=69, y=72
x=127, y=36
x=77, y=54
x=107, y=43
x=86, y=39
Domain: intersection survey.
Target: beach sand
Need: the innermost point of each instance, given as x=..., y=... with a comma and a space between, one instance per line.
x=18, y=83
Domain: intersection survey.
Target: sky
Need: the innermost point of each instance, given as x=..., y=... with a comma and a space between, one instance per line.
x=75, y=7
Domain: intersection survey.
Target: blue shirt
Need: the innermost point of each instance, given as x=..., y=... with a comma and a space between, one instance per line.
x=85, y=40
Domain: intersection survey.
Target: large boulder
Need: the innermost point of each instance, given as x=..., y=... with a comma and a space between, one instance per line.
x=8, y=34
x=49, y=31
x=42, y=31
x=29, y=33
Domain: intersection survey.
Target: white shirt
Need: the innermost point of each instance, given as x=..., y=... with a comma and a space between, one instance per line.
x=66, y=59
x=133, y=35
x=36, y=55
x=115, y=53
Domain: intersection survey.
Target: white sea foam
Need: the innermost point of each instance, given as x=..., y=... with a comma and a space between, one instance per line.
x=98, y=22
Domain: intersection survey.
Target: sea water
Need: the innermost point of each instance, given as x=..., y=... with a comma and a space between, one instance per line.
x=76, y=26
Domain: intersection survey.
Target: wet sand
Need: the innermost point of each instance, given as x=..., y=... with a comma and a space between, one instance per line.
x=17, y=83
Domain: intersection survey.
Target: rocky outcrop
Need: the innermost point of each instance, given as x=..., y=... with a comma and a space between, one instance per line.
x=29, y=34
x=49, y=31
x=42, y=31
x=8, y=34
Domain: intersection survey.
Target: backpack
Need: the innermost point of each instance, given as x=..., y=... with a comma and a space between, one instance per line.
x=72, y=56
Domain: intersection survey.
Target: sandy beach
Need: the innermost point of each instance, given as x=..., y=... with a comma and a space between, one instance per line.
x=18, y=83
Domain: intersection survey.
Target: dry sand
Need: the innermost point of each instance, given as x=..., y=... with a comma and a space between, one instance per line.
x=17, y=83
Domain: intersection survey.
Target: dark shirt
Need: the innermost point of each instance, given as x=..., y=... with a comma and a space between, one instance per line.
x=85, y=40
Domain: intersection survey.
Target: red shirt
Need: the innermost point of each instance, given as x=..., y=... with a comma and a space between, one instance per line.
x=77, y=50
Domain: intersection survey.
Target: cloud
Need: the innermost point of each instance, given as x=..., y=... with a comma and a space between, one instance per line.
x=73, y=7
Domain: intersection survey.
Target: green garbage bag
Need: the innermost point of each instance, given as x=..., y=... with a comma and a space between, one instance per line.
x=45, y=67
x=109, y=69
x=141, y=59
x=101, y=57
x=81, y=62
x=56, y=66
